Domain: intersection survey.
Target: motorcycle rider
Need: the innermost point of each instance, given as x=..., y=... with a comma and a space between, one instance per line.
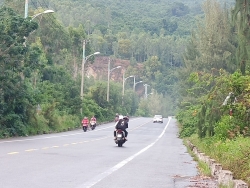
x=116, y=117
x=123, y=125
x=93, y=119
x=126, y=118
x=85, y=122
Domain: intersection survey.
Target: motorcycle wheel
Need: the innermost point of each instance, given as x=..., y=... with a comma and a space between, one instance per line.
x=120, y=143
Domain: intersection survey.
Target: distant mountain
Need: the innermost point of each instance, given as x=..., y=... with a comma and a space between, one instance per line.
x=147, y=15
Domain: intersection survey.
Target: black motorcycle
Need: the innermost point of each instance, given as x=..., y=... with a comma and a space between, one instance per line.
x=120, y=138
x=84, y=128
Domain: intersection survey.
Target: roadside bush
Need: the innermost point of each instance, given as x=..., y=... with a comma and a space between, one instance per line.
x=12, y=125
x=188, y=121
x=66, y=122
x=37, y=125
x=223, y=127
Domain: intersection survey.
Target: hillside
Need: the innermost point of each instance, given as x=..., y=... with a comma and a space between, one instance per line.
x=99, y=70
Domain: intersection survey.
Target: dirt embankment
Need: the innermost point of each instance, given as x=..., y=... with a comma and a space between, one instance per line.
x=99, y=70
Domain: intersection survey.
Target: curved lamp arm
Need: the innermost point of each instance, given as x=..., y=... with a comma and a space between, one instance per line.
x=44, y=12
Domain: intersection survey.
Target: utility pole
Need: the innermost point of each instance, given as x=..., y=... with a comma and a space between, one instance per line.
x=26, y=8
x=83, y=62
x=146, y=90
x=109, y=71
x=134, y=84
x=108, y=79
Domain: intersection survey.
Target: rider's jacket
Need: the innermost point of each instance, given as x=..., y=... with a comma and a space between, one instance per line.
x=93, y=119
x=85, y=121
x=121, y=124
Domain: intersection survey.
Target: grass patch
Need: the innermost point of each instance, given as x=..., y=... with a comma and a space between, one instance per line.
x=204, y=168
x=231, y=185
x=233, y=155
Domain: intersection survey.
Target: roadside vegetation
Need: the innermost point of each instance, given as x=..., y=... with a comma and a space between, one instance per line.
x=40, y=60
x=215, y=107
x=195, y=59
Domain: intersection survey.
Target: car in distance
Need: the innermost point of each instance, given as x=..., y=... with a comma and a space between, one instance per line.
x=158, y=118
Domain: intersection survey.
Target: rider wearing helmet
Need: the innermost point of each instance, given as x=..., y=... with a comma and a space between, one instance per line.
x=116, y=117
x=85, y=122
x=123, y=125
x=126, y=119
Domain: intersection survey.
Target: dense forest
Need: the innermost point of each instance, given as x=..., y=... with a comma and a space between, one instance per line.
x=41, y=57
x=193, y=54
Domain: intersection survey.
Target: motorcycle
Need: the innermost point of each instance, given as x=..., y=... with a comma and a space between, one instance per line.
x=92, y=125
x=84, y=127
x=120, y=138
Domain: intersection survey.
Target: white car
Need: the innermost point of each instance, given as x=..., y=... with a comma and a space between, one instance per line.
x=158, y=118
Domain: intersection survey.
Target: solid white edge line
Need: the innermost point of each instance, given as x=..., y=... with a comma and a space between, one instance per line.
x=103, y=175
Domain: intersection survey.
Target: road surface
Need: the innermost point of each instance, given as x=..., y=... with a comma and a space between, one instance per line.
x=153, y=156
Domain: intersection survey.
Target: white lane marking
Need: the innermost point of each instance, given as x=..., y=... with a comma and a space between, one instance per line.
x=58, y=135
x=12, y=153
x=28, y=150
x=103, y=175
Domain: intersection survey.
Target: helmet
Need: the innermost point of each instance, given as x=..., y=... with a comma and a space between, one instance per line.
x=120, y=116
x=117, y=114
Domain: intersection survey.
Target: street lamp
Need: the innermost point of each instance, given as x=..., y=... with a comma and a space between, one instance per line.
x=27, y=10
x=109, y=71
x=33, y=17
x=84, y=59
x=123, y=85
x=136, y=83
x=44, y=12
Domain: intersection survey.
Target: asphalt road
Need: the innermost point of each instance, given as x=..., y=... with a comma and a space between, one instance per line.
x=153, y=156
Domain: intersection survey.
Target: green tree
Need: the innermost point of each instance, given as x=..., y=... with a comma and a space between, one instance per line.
x=14, y=95
x=241, y=20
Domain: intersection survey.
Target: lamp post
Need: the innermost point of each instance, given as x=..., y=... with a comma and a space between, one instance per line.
x=109, y=71
x=123, y=85
x=26, y=9
x=136, y=83
x=146, y=90
x=84, y=59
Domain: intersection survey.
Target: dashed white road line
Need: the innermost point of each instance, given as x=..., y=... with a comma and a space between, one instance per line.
x=103, y=175
x=12, y=153
x=28, y=150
